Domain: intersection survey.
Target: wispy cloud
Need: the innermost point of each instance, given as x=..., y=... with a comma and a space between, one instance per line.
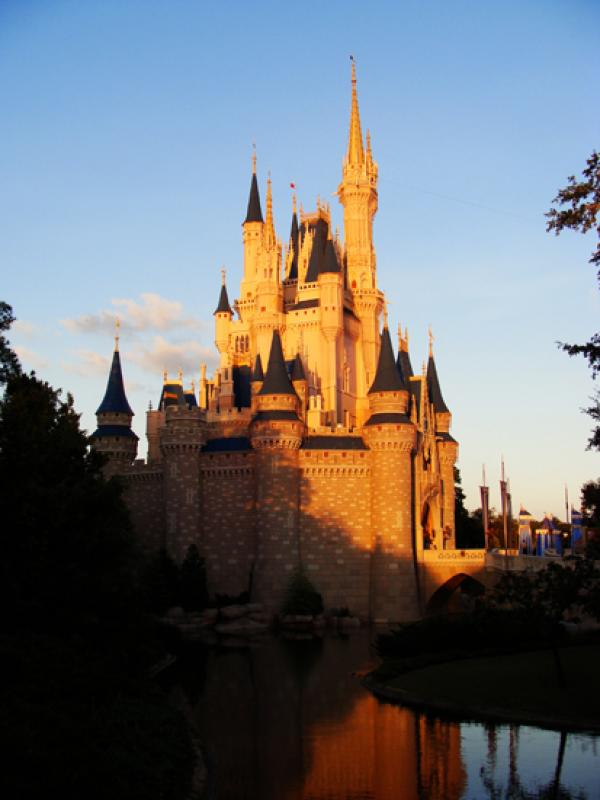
x=88, y=364
x=29, y=358
x=162, y=355
x=152, y=313
x=25, y=328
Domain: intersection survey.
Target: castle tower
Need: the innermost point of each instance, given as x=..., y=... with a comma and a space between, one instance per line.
x=447, y=450
x=357, y=192
x=181, y=440
x=276, y=435
x=332, y=324
x=300, y=384
x=223, y=316
x=113, y=437
x=391, y=438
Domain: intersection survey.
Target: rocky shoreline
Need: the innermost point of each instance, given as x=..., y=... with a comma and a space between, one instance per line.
x=249, y=621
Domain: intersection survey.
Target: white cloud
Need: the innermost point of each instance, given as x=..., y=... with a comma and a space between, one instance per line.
x=162, y=355
x=152, y=313
x=89, y=364
x=29, y=358
x=24, y=328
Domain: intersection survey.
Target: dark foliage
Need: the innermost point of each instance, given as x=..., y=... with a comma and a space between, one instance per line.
x=469, y=528
x=161, y=582
x=301, y=596
x=579, y=207
x=192, y=581
x=485, y=629
x=240, y=599
x=80, y=719
x=9, y=363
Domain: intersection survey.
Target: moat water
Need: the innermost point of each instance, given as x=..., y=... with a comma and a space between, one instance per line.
x=289, y=720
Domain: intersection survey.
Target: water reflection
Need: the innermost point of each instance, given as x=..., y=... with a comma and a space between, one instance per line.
x=289, y=720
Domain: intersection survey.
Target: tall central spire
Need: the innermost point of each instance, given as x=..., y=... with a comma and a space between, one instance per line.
x=355, y=154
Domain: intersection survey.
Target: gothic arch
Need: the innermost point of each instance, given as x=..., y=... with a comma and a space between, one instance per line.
x=455, y=595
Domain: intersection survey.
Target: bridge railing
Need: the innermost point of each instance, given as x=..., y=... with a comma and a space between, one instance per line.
x=454, y=557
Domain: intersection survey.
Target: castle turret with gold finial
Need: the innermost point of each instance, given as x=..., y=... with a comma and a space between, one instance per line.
x=113, y=437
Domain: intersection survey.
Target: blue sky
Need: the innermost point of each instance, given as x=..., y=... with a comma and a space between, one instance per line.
x=126, y=133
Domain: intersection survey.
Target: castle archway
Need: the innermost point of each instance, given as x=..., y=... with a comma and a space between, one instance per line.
x=456, y=595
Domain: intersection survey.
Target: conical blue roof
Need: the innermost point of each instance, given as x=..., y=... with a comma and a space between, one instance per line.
x=295, y=245
x=254, y=212
x=276, y=380
x=404, y=366
x=433, y=387
x=115, y=400
x=223, y=306
x=387, y=377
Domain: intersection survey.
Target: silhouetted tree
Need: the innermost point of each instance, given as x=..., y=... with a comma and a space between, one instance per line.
x=469, y=528
x=192, y=581
x=9, y=363
x=579, y=207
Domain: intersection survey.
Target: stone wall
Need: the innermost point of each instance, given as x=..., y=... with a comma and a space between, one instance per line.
x=335, y=526
x=228, y=538
x=144, y=496
x=393, y=580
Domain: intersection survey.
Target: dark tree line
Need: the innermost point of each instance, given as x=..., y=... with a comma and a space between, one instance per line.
x=80, y=716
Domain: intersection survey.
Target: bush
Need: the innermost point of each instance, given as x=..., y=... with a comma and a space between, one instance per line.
x=485, y=629
x=193, y=593
x=302, y=597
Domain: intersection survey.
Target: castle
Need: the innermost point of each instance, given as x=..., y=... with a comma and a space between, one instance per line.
x=313, y=444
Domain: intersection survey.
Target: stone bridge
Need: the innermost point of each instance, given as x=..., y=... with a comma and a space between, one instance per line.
x=445, y=575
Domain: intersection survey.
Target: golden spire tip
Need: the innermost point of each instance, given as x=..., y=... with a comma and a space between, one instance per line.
x=117, y=329
x=223, y=274
x=430, y=342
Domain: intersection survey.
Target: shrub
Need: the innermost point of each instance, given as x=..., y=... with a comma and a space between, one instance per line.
x=302, y=597
x=193, y=593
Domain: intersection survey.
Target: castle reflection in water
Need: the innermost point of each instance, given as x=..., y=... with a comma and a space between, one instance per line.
x=288, y=720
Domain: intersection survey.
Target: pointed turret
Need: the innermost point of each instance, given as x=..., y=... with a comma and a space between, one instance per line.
x=355, y=153
x=298, y=373
x=258, y=375
x=223, y=316
x=403, y=361
x=114, y=436
x=387, y=377
x=330, y=261
x=115, y=400
x=433, y=384
x=276, y=380
x=223, y=306
x=269, y=230
x=294, y=243
x=254, y=212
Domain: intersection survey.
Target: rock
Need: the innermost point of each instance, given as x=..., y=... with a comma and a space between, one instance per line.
x=254, y=608
x=210, y=614
x=348, y=622
x=233, y=612
x=241, y=627
x=257, y=616
x=176, y=612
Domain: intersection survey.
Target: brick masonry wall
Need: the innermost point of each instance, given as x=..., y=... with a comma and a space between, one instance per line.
x=144, y=496
x=335, y=526
x=277, y=488
x=228, y=540
x=393, y=582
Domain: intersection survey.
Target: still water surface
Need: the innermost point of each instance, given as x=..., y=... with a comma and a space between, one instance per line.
x=289, y=720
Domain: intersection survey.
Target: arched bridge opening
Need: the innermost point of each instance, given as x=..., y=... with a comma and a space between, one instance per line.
x=457, y=595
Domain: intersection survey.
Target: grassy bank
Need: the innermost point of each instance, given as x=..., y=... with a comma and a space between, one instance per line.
x=521, y=687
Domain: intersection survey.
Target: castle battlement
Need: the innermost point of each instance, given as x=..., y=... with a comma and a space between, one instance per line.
x=313, y=444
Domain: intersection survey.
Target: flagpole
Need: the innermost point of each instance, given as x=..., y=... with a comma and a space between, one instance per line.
x=504, y=518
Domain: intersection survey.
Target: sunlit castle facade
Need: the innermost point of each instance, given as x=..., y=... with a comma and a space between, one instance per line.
x=312, y=445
